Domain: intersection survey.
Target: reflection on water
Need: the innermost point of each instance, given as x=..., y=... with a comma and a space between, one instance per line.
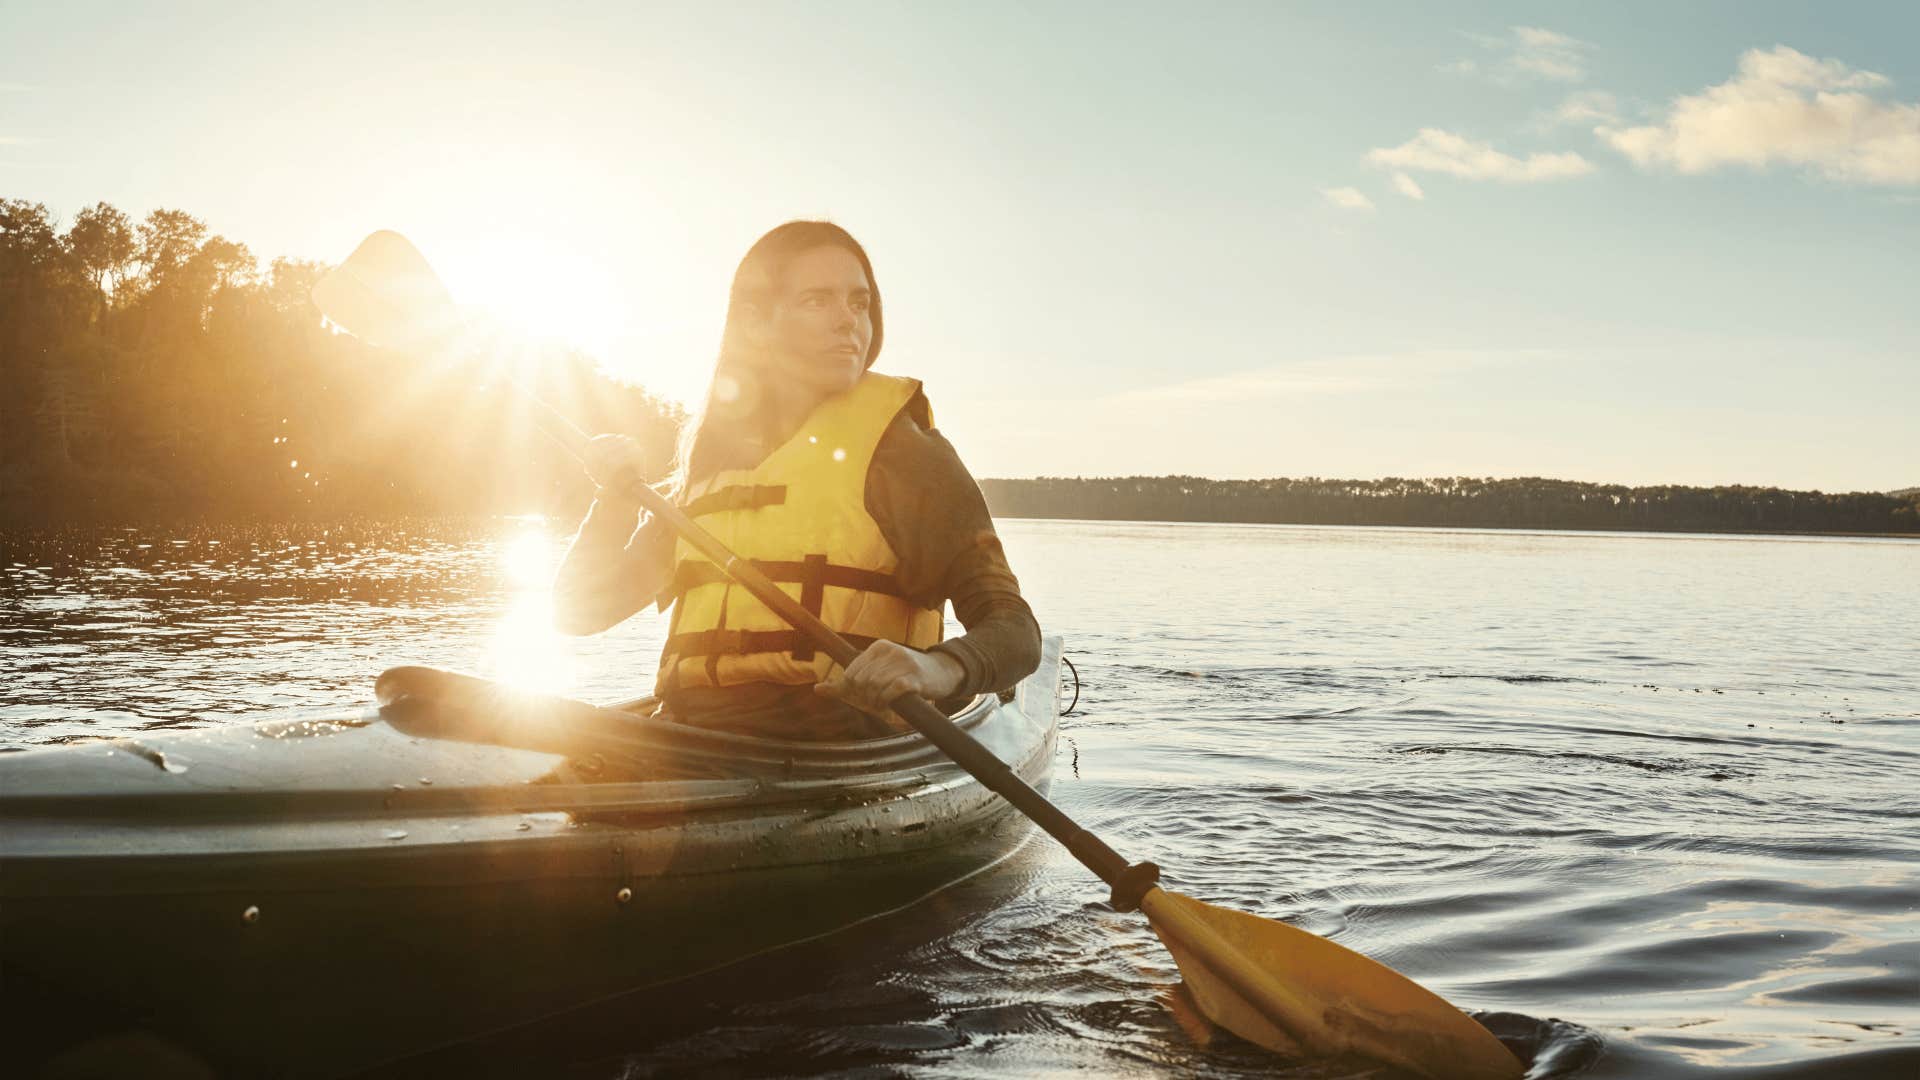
x=525, y=650
x=105, y=634
x=1647, y=801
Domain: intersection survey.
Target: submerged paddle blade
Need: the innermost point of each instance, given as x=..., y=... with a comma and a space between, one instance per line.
x=1302, y=995
x=386, y=294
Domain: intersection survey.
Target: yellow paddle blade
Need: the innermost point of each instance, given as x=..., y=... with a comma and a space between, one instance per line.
x=1301, y=995
x=386, y=294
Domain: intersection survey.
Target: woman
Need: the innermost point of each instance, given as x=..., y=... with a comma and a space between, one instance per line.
x=833, y=479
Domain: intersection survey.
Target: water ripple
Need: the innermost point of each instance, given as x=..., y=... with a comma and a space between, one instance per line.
x=1642, y=832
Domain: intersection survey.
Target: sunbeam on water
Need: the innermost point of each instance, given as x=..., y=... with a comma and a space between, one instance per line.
x=1644, y=804
x=526, y=651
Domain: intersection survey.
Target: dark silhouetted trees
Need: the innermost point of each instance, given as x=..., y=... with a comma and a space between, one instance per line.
x=1461, y=501
x=152, y=369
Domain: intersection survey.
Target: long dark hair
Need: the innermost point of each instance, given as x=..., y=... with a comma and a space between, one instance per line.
x=719, y=436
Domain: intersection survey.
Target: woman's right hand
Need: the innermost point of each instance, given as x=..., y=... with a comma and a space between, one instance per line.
x=612, y=460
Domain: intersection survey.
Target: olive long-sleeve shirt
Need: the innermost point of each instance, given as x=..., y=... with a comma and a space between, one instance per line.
x=931, y=512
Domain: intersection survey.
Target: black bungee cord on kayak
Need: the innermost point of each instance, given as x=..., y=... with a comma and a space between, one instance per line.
x=1068, y=711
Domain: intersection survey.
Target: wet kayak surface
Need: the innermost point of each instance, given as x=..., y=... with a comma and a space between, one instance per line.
x=1644, y=803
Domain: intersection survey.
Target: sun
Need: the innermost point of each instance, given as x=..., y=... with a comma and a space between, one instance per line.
x=534, y=287
x=529, y=288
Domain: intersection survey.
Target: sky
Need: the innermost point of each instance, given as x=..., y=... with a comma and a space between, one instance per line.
x=1639, y=243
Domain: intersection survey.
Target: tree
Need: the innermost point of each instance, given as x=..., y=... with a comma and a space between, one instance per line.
x=290, y=285
x=102, y=239
x=43, y=301
x=168, y=240
x=226, y=263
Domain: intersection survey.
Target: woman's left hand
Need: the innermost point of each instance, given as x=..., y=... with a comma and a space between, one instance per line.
x=888, y=669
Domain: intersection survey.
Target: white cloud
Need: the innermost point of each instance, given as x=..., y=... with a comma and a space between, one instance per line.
x=1434, y=150
x=1784, y=107
x=1404, y=184
x=1549, y=55
x=1527, y=54
x=1586, y=107
x=1347, y=198
x=1791, y=67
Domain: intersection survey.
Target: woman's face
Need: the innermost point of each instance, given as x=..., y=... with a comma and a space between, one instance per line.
x=822, y=321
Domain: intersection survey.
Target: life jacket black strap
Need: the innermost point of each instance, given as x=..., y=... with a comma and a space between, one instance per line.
x=738, y=497
x=741, y=642
x=691, y=573
x=813, y=593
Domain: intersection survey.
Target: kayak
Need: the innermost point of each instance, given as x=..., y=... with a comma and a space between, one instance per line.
x=316, y=895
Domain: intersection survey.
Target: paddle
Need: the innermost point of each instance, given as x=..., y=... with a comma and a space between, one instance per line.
x=1273, y=984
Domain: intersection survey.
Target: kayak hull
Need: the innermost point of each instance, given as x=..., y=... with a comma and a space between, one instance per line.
x=228, y=891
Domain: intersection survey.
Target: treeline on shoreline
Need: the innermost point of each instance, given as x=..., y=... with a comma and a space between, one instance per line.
x=1456, y=502
x=154, y=370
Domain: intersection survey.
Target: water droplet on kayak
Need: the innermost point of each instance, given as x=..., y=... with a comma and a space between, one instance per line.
x=250, y=916
x=625, y=895
x=175, y=767
x=396, y=834
x=839, y=454
x=426, y=782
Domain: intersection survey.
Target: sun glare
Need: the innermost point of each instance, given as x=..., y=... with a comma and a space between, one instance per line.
x=536, y=289
x=648, y=317
x=526, y=651
x=527, y=560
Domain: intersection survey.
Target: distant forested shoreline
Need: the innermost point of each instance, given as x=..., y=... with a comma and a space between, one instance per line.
x=1457, y=502
x=155, y=371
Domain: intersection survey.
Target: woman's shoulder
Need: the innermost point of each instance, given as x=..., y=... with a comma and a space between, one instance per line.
x=912, y=438
x=916, y=470
x=899, y=393
x=918, y=411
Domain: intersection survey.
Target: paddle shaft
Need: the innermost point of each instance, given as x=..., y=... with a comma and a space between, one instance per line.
x=1129, y=882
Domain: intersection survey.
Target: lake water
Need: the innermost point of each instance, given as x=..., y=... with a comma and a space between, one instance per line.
x=1646, y=801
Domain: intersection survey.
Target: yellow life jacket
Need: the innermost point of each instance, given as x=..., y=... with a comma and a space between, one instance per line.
x=801, y=517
